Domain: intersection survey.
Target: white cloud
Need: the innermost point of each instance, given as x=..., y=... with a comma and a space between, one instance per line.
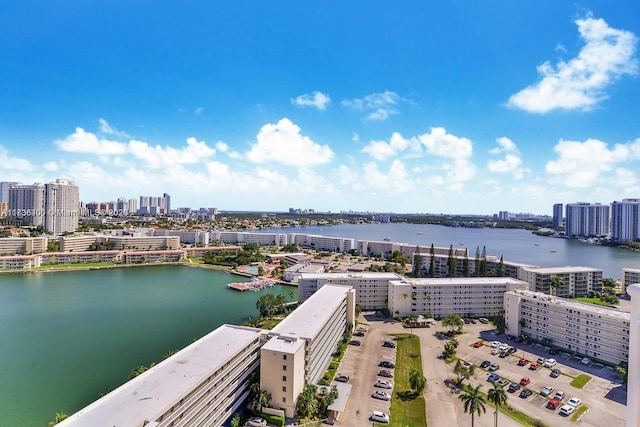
x=283, y=143
x=86, y=142
x=316, y=99
x=511, y=163
x=580, y=83
x=51, y=166
x=382, y=150
x=581, y=164
x=162, y=157
x=224, y=148
x=355, y=137
x=14, y=163
x=379, y=105
x=198, y=111
x=107, y=129
x=440, y=143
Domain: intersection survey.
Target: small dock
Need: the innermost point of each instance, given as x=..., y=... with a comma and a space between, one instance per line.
x=254, y=285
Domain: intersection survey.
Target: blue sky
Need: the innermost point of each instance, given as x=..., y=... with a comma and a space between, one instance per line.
x=459, y=107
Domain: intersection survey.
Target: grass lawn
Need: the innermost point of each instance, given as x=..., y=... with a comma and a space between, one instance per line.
x=596, y=301
x=75, y=265
x=581, y=380
x=407, y=409
x=581, y=410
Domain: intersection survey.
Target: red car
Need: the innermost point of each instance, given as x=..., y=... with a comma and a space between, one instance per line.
x=534, y=366
x=553, y=404
x=478, y=344
x=525, y=381
x=522, y=362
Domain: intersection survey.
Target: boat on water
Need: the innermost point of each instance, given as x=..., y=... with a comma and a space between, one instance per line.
x=387, y=239
x=420, y=232
x=552, y=250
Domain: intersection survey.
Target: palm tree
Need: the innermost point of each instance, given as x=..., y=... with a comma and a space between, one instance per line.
x=555, y=283
x=473, y=402
x=498, y=397
x=417, y=381
x=260, y=400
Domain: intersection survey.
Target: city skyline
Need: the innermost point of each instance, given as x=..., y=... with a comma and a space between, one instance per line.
x=424, y=108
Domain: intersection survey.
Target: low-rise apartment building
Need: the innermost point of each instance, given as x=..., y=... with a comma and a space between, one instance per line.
x=23, y=245
x=629, y=277
x=242, y=238
x=141, y=243
x=578, y=281
x=78, y=243
x=19, y=262
x=322, y=243
x=301, y=346
x=198, y=237
x=438, y=298
x=50, y=258
x=598, y=332
x=372, y=288
x=202, y=384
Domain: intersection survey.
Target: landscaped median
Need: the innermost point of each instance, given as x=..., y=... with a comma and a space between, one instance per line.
x=581, y=380
x=407, y=406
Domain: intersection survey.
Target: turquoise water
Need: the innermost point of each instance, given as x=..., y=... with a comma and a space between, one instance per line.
x=67, y=337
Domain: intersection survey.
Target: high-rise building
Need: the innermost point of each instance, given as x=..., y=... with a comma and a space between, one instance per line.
x=625, y=220
x=132, y=206
x=27, y=203
x=587, y=220
x=62, y=206
x=165, y=203
x=4, y=190
x=557, y=215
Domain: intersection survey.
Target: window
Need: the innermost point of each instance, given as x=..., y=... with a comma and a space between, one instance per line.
x=284, y=400
x=284, y=389
x=284, y=357
x=284, y=367
x=284, y=378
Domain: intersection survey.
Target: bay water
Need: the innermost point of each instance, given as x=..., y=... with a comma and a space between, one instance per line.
x=68, y=337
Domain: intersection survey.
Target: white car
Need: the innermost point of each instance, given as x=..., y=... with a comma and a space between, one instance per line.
x=546, y=391
x=504, y=347
x=383, y=384
x=255, y=422
x=495, y=344
x=567, y=410
x=574, y=401
x=380, y=417
x=495, y=351
x=585, y=361
x=382, y=395
x=550, y=363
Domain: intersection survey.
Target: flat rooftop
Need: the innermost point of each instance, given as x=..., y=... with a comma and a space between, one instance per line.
x=284, y=344
x=566, y=269
x=456, y=281
x=574, y=305
x=308, y=320
x=352, y=275
x=148, y=395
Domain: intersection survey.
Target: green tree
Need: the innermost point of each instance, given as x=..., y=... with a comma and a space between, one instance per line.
x=498, y=397
x=473, y=402
x=260, y=400
x=417, y=381
x=416, y=262
x=236, y=420
x=449, y=350
x=413, y=317
x=555, y=283
x=453, y=322
x=451, y=263
x=623, y=370
x=500, y=272
x=477, y=262
x=61, y=416
x=465, y=264
x=432, y=261
x=483, y=262
x=307, y=405
x=463, y=372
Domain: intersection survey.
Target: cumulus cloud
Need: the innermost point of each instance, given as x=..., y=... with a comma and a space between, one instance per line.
x=14, y=163
x=581, y=164
x=382, y=150
x=580, y=83
x=51, y=166
x=316, y=99
x=440, y=143
x=283, y=143
x=86, y=142
x=511, y=163
x=378, y=106
x=198, y=111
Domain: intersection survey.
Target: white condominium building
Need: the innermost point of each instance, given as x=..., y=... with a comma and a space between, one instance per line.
x=322, y=243
x=629, y=277
x=78, y=243
x=625, y=220
x=371, y=288
x=464, y=296
x=202, y=384
x=23, y=245
x=186, y=236
x=301, y=346
x=62, y=206
x=242, y=238
x=578, y=281
x=145, y=242
x=586, y=329
x=27, y=203
x=587, y=220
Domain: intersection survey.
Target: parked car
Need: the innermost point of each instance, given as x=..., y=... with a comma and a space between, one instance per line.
x=382, y=395
x=474, y=321
x=386, y=364
x=559, y=395
x=550, y=363
x=553, y=404
x=523, y=362
x=495, y=344
x=534, y=366
x=502, y=382
x=495, y=351
x=255, y=422
x=503, y=354
x=494, y=367
x=555, y=373
x=483, y=320
x=380, y=417
x=493, y=377
x=385, y=373
x=512, y=350
x=478, y=344
x=585, y=361
x=567, y=410
x=504, y=347
x=513, y=387
x=389, y=344
x=541, y=360
x=554, y=351
x=546, y=391
x=574, y=401
x=525, y=393
x=485, y=364
x=359, y=333
x=342, y=378
x=355, y=342
x=525, y=381
x=383, y=384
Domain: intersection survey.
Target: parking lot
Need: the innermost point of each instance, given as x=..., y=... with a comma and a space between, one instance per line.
x=603, y=395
